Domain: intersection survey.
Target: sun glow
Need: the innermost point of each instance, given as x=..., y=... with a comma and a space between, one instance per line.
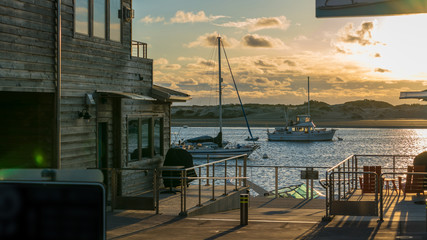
x=402, y=47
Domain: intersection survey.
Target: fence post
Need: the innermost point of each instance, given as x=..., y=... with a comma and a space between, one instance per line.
x=225, y=178
x=394, y=166
x=244, y=170
x=327, y=195
x=182, y=192
x=200, y=187
x=244, y=202
x=207, y=171
x=240, y=175
x=185, y=191
x=276, y=183
x=213, y=182
x=339, y=183
x=235, y=174
x=311, y=188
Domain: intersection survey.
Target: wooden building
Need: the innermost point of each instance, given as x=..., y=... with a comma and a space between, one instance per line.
x=83, y=98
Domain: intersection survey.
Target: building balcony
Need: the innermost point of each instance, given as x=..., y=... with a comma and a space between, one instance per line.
x=139, y=49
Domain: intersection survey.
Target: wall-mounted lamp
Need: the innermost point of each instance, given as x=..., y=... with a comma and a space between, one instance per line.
x=84, y=114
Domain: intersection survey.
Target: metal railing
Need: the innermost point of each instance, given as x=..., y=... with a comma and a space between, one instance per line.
x=240, y=181
x=139, y=49
x=341, y=179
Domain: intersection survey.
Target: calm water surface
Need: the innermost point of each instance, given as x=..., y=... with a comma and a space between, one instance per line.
x=378, y=141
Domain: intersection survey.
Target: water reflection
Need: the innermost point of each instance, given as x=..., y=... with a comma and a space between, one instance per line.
x=362, y=141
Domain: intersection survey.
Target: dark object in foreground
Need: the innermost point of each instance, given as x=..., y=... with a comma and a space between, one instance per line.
x=421, y=160
x=52, y=210
x=177, y=157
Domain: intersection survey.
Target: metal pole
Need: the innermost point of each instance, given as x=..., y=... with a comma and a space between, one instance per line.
x=213, y=182
x=244, y=202
x=244, y=170
x=200, y=187
x=352, y=174
x=240, y=175
x=332, y=186
x=225, y=179
x=307, y=186
x=327, y=194
x=182, y=192
x=235, y=180
x=344, y=188
x=394, y=166
x=339, y=183
x=185, y=191
x=207, y=171
x=311, y=188
x=276, y=183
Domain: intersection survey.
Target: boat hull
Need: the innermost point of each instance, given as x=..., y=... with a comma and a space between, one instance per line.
x=302, y=136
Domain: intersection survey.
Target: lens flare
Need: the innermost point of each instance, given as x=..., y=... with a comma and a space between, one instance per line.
x=39, y=159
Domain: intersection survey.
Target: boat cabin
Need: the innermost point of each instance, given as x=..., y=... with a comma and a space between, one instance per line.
x=303, y=124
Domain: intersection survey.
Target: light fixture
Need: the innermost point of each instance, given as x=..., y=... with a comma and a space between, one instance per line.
x=84, y=114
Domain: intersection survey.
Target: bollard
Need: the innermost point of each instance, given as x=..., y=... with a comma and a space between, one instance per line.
x=244, y=202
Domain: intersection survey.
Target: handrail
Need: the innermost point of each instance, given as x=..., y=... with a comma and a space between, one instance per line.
x=138, y=50
x=340, y=163
x=216, y=162
x=348, y=169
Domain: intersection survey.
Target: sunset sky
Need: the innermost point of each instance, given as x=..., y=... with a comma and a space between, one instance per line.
x=274, y=45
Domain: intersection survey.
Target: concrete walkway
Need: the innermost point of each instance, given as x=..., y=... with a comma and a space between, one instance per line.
x=275, y=219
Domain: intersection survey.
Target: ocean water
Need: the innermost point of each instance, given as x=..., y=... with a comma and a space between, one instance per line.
x=360, y=141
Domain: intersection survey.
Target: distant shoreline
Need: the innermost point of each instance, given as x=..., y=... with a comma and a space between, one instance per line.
x=392, y=123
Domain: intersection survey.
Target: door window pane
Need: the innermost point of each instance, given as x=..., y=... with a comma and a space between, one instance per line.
x=146, y=143
x=81, y=18
x=114, y=20
x=133, y=133
x=99, y=18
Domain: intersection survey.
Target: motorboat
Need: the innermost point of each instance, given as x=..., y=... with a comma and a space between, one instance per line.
x=303, y=130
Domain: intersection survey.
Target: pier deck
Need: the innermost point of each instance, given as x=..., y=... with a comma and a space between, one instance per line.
x=274, y=219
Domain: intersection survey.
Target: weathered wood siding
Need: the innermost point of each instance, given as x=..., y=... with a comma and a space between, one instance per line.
x=90, y=64
x=27, y=46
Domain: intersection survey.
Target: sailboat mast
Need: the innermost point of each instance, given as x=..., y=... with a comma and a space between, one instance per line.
x=220, y=83
x=308, y=94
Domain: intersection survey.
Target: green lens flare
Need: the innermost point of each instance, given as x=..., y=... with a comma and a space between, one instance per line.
x=39, y=159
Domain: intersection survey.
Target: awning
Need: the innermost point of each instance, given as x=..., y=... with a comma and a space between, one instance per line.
x=169, y=95
x=418, y=95
x=125, y=95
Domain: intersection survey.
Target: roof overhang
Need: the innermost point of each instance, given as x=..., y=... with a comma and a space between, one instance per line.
x=417, y=95
x=169, y=95
x=133, y=96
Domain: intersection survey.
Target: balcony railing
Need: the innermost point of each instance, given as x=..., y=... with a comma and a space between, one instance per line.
x=139, y=49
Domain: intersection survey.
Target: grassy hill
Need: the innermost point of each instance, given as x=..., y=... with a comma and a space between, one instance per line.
x=321, y=112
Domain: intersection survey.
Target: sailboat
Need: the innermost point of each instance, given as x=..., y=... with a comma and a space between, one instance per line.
x=215, y=147
x=303, y=130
